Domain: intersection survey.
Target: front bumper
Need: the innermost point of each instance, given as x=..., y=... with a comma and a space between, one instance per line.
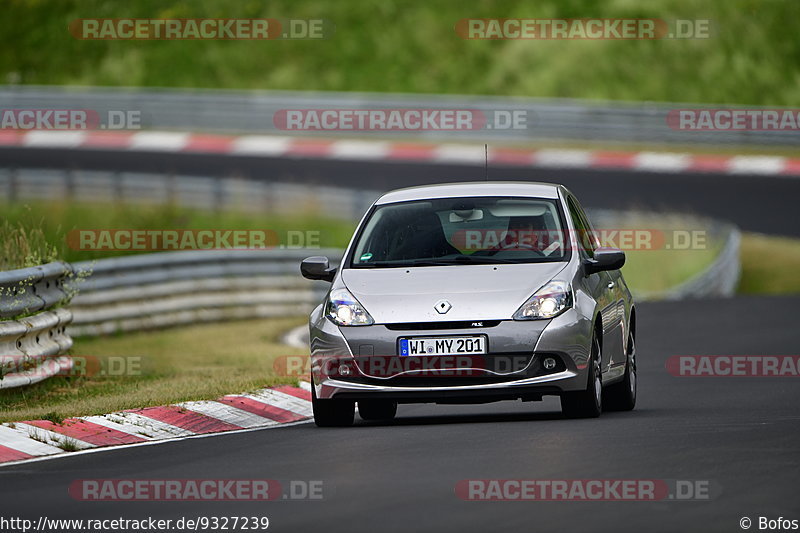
x=363, y=362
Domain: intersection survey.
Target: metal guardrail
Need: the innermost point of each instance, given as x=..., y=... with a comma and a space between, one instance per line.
x=253, y=111
x=720, y=278
x=27, y=290
x=199, y=192
x=142, y=292
x=174, y=288
x=32, y=348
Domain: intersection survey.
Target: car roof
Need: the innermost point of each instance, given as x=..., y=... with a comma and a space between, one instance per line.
x=472, y=188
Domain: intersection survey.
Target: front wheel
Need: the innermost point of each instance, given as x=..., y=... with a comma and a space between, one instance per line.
x=622, y=396
x=332, y=412
x=587, y=403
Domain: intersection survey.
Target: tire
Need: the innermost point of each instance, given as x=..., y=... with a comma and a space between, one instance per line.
x=622, y=396
x=377, y=409
x=332, y=413
x=587, y=403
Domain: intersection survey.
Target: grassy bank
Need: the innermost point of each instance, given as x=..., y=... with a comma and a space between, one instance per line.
x=44, y=227
x=752, y=56
x=769, y=265
x=158, y=368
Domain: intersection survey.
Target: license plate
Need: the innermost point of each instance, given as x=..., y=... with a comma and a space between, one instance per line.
x=443, y=345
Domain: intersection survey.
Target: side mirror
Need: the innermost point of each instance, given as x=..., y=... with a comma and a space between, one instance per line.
x=317, y=268
x=605, y=259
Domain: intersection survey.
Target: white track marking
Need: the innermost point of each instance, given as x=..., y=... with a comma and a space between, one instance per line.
x=20, y=441
x=165, y=141
x=360, y=150
x=260, y=145
x=745, y=164
x=459, y=153
x=156, y=428
x=563, y=158
x=56, y=139
x=19, y=437
x=149, y=443
x=228, y=413
x=121, y=424
x=284, y=401
x=661, y=162
x=52, y=438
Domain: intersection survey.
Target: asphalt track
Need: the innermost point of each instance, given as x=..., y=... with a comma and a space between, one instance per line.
x=740, y=434
x=760, y=203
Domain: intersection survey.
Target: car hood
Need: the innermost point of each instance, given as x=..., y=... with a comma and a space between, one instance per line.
x=475, y=292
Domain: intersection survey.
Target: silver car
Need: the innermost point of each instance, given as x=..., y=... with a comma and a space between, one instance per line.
x=472, y=293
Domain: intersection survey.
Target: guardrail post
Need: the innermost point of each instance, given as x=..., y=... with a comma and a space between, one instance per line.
x=12, y=185
x=219, y=194
x=69, y=184
x=172, y=189
x=119, y=191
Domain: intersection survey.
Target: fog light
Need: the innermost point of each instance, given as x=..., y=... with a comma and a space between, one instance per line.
x=549, y=363
x=344, y=370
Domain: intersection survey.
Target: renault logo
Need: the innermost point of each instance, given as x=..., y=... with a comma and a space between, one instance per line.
x=442, y=306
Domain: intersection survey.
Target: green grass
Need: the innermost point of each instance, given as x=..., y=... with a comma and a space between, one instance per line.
x=170, y=366
x=770, y=265
x=51, y=222
x=23, y=243
x=672, y=259
x=69, y=445
x=411, y=46
x=654, y=271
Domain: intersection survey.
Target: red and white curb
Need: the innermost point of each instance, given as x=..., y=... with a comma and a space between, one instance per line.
x=364, y=150
x=272, y=407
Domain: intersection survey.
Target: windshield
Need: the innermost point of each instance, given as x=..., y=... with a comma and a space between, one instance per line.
x=448, y=231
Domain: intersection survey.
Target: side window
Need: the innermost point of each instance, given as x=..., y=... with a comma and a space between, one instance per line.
x=587, y=240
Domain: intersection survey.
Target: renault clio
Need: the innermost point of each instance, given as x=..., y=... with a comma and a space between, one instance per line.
x=472, y=293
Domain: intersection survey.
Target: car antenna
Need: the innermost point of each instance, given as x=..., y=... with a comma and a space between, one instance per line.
x=486, y=158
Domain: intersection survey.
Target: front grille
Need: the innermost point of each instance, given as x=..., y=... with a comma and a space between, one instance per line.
x=535, y=369
x=461, y=324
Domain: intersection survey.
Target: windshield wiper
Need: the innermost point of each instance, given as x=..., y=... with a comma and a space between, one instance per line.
x=450, y=261
x=403, y=264
x=406, y=264
x=485, y=260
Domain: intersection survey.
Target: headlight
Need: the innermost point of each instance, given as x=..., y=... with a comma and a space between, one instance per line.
x=548, y=302
x=344, y=310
